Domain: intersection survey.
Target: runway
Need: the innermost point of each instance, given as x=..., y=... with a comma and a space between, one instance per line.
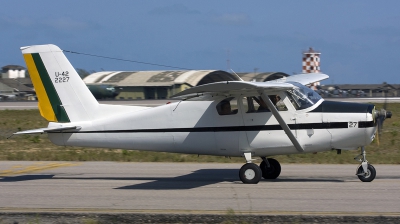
x=191, y=188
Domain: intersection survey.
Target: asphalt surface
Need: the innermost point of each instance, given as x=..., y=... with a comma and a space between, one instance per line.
x=25, y=105
x=191, y=188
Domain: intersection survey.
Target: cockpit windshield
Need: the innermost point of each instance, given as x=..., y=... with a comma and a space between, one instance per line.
x=302, y=97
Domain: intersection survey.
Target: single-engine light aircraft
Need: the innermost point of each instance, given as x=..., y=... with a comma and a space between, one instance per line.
x=229, y=118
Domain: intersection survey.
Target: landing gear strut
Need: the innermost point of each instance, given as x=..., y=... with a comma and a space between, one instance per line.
x=365, y=172
x=250, y=173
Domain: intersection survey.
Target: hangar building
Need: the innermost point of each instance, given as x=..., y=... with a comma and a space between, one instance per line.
x=155, y=84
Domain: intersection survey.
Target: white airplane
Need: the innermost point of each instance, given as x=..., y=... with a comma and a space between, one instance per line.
x=230, y=118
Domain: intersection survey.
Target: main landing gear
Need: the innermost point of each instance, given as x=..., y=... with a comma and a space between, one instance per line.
x=365, y=171
x=270, y=168
x=250, y=173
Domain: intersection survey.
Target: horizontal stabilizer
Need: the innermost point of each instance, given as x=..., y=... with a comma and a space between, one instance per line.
x=45, y=130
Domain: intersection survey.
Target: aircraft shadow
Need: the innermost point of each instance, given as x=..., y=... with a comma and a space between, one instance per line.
x=25, y=178
x=205, y=177
x=192, y=180
x=198, y=178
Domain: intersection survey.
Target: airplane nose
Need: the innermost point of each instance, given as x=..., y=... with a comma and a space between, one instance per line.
x=383, y=114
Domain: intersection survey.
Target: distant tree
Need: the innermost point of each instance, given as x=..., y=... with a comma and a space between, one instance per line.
x=83, y=73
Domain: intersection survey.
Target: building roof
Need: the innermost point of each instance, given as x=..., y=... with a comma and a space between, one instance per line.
x=12, y=67
x=159, y=78
x=25, y=81
x=15, y=84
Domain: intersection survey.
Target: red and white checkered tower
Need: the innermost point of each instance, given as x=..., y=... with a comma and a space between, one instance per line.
x=311, y=62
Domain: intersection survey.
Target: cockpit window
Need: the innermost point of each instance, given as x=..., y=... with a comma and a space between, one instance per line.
x=302, y=97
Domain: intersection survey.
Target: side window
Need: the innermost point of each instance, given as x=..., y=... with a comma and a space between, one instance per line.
x=257, y=105
x=280, y=105
x=227, y=106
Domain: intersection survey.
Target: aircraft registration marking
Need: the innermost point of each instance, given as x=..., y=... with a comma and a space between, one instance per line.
x=61, y=77
x=353, y=124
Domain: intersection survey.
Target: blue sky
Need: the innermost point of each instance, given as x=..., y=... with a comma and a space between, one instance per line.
x=359, y=39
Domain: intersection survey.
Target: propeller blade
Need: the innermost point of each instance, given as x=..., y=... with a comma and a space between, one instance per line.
x=377, y=136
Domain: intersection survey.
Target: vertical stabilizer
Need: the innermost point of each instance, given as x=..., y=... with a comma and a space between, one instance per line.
x=62, y=95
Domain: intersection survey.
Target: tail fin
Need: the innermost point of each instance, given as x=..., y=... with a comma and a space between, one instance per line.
x=62, y=95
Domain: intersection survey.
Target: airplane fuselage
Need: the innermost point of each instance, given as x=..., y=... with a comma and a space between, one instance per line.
x=195, y=127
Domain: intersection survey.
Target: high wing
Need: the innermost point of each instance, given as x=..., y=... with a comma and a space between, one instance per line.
x=304, y=79
x=251, y=88
x=232, y=87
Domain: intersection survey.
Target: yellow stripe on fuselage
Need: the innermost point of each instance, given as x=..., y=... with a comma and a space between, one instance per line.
x=45, y=108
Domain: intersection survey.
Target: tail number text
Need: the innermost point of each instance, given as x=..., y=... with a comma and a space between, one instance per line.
x=61, y=77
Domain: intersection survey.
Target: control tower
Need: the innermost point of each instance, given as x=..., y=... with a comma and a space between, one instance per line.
x=311, y=61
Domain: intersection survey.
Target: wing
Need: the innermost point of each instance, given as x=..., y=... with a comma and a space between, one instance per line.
x=303, y=78
x=233, y=87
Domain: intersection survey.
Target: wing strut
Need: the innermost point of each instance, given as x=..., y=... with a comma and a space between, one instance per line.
x=280, y=120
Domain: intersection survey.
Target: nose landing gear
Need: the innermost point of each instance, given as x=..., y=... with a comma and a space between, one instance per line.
x=365, y=172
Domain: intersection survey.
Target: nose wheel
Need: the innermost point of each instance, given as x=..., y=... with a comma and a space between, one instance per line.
x=365, y=172
x=366, y=176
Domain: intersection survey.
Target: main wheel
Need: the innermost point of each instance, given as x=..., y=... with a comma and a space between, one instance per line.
x=369, y=176
x=271, y=172
x=250, y=173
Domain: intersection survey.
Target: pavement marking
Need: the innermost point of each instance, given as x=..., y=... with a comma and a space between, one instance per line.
x=40, y=166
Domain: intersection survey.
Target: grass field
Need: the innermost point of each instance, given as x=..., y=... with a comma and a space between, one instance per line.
x=39, y=148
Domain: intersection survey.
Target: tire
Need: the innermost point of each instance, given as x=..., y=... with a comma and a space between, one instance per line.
x=271, y=172
x=370, y=176
x=250, y=173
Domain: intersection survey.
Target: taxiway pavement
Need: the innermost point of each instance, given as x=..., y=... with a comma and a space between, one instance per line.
x=194, y=188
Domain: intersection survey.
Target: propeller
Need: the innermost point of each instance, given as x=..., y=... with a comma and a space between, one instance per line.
x=381, y=116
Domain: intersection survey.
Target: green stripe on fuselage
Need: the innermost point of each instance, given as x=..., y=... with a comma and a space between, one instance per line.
x=55, y=101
